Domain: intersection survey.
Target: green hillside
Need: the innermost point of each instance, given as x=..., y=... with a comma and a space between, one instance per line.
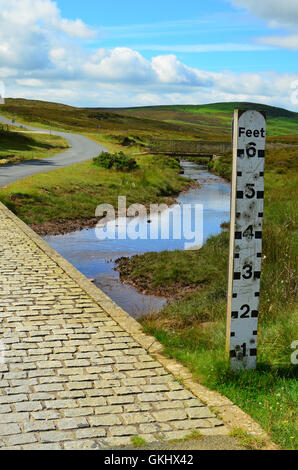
x=84, y=120
x=216, y=117
x=208, y=121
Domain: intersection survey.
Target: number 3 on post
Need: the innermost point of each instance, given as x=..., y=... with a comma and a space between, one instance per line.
x=247, y=208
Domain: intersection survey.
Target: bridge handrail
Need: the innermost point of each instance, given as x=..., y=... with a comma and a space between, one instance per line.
x=188, y=146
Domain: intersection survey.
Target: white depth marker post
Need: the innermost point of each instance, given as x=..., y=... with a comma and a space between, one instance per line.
x=247, y=206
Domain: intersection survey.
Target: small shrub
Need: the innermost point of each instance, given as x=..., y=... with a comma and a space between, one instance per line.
x=104, y=160
x=117, y=161
x=169, y=162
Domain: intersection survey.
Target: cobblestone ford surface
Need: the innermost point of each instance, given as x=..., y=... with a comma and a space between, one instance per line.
x=70, y=376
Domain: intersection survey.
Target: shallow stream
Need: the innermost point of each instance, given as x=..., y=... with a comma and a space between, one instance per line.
x=95, y=258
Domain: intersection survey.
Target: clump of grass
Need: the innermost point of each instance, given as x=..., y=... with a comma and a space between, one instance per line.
x=117, y=161
x=193, y=435
x=138, y=441
x=247, y=440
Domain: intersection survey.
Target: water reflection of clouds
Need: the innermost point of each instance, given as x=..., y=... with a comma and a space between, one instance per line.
x=183, y=222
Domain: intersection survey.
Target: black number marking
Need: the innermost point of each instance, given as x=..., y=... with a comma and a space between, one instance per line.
x=248, y=233
x=251, y=150
x=247, y=310
x=243, y=346
x=248, y=273
x=249, y=191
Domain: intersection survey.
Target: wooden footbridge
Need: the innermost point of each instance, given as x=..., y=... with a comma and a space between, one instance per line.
x=189, y=147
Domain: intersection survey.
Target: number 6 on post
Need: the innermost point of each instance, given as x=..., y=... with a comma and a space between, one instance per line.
x=247, y=207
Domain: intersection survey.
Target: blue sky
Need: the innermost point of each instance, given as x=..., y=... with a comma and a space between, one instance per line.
x=115, y=53
x=170, y=26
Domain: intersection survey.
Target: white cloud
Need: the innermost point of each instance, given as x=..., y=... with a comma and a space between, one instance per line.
x=22, y=49
x=271, y=89
x=277, y=12
x=119, y=64
x=169, y=70
x=286, y=42
x=124, y=65
x=32, y=82
x=30, y=32
x=28, y=12
x=75, y=28
x=57, y=54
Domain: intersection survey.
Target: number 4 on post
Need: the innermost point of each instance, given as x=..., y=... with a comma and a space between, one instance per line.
x=247, y=208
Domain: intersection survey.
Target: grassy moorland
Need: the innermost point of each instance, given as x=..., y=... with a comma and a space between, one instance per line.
x=215, y=118
x=16, y=146
x=210, y=121
x=114, y=126
x=192, y=325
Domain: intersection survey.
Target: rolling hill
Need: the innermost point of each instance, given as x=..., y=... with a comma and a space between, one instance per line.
x=200, y=122
x=215, y=117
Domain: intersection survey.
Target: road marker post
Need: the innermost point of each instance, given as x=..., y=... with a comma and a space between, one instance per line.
x=245, y=255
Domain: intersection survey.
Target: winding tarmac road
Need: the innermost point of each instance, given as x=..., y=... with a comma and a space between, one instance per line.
x=81, y=149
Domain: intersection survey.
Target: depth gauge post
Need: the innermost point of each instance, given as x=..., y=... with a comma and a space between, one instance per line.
x=245, y=256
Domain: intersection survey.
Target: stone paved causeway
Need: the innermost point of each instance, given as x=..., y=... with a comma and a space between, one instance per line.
x=70, y=376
